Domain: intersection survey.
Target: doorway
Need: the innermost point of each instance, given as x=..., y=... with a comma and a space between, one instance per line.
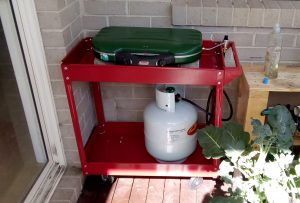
x=30, y=164
x=21, y=161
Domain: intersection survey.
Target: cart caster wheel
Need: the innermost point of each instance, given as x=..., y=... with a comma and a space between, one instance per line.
x=195, y=182
x=107, y=179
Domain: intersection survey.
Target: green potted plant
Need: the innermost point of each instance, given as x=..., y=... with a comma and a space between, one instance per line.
x=259, y=170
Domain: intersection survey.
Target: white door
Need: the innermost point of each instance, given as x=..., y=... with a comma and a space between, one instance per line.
x=31, y=155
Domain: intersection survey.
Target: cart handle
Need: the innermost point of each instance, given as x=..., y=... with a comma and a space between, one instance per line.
x=235, y=55
x=232, y=72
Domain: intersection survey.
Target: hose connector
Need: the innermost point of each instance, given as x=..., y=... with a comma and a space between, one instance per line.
x=226, y=42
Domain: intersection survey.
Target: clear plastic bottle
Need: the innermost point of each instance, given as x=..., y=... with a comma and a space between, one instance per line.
x=273, y=53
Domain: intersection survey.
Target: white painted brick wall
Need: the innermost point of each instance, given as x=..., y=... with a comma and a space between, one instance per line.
x=225, y=13
x=179, y=12
x=94, y=22
x=209, y=13
x=53, y=38
x=142, y=8
x=192, y=13
x=160, y=21
x=53, y=5
x=142, y=21
x=287, y=13
x=271, y=13
x=240, y=13
x=61, y=28
x=105, y=7
x=69, y=188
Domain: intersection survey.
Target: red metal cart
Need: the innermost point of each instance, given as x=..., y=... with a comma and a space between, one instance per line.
x=117, y=148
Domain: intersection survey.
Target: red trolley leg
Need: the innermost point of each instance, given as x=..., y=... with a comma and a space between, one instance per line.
x=75, y=120
x=98, y=102
x=218, y=110
x=218, y=106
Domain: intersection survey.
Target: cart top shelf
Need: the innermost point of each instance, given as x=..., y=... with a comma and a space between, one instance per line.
x=79, y=65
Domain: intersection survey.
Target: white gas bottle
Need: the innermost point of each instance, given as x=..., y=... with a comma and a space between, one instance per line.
x=170, y=127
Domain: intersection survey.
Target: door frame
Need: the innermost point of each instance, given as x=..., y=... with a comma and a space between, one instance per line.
x=26, y=20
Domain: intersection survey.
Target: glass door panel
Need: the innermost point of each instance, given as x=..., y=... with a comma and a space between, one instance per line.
x=22, y=151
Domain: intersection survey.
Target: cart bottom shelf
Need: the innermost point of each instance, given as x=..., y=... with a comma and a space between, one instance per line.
x=117, y=148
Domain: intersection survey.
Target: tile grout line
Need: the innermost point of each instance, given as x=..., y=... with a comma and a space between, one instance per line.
x=133, y=179
x=114, y=190
x=147, y=190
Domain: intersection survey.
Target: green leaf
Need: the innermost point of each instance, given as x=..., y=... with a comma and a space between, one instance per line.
x=231, y=139
x=235, y=150
x=220, y=199
x=285, y=139
x=297, y=169
x=261, y=131
x=297, y=182
x=281, y=122
x=234, y=140
x=209, y=139
x=281, y=118
x=236, y=132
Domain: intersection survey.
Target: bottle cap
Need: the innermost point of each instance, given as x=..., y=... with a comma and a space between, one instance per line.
x=265, y=80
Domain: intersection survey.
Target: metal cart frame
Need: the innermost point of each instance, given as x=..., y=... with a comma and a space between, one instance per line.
x=117, y=148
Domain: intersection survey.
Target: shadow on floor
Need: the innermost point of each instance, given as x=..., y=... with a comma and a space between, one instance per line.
x=94, y=190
